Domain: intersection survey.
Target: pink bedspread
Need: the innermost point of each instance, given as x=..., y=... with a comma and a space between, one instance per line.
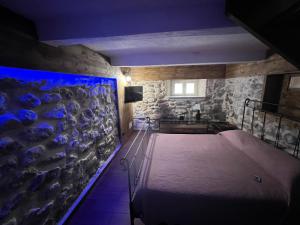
x=229, y=178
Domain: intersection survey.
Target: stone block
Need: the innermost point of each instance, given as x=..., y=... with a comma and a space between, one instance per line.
x=30, y=216
x=29, y=100
x=40, y=132
x=9, y=83
x=52, y=190
x=64, y=198
x=38, y=181
x=53, y=174
x=58, y=112
x=94, y=91
x=66, y=93
x=289, y=138
x=51, y=98
x=7, y=144
x=27, y=116
x=72, y=158
x=67, y=174
x=73, y=146
x=89, y=114
x=81, y=93
x=37, y=215
x=60, y=139
x=9, y=164
x=3, y=102
x=108, y=99
x=84, y=147
x=73, y=107
x=61, y=126
x=57, y=156
x=94, y=104
x=84, y=122
x=12, y=221
x=31, y=155
x=44, y=211
x=72, y=121
x=50, y=221
x=23, y=176
x=9, y=121
x=11, y=204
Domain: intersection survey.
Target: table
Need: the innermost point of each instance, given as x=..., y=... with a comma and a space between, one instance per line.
x=203, y=126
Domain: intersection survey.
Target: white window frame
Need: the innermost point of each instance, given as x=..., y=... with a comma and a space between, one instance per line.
x=199, y=85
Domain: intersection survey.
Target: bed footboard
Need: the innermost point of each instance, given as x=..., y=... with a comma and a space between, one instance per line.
x=134, y=159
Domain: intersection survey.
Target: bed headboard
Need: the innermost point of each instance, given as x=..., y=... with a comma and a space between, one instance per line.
x=257, y=117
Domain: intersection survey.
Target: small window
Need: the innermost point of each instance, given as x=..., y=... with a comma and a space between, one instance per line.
x=188, y=88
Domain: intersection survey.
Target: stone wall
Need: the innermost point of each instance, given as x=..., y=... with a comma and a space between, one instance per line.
x=42, y=191
x=290, y=98
x=242, y=77
x=51, y=142
x=157, y=104
x=18, y=50
x=275, y=64
x=236, y=91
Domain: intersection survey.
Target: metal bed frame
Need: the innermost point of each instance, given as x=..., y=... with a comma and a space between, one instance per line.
x=257, y=106
x=135, y=155
x=134, y=159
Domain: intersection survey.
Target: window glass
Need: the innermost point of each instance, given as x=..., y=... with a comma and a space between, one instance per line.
x=187, y=88
x=190, y=88
x=178, y=88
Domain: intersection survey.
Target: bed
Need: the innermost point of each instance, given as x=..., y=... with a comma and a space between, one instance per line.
x=226, y=178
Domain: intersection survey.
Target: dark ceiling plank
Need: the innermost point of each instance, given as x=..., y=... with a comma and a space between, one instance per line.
x=16, y=23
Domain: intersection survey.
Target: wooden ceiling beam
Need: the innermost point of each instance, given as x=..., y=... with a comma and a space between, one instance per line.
x=176, y=72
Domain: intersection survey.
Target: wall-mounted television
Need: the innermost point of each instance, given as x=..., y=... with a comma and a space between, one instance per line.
x=133, y=94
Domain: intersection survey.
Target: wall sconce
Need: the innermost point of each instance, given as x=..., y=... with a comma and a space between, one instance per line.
x=128, y=78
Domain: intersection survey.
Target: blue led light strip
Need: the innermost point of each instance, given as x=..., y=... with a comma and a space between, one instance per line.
x=50, y=80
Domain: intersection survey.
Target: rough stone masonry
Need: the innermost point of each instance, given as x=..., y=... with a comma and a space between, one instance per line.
x=224, y=101
x=157, y=104
x=51, y=143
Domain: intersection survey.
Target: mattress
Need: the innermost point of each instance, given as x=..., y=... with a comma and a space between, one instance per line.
x=208, y=179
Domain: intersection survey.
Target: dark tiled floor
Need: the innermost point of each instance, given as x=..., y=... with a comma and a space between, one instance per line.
x=108, y=202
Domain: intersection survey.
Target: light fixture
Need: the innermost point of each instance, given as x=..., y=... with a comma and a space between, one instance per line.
x=128, y=78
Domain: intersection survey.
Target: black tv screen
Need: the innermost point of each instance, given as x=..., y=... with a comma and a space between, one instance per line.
x=133, y=94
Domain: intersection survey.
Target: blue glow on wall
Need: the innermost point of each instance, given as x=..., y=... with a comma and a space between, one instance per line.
x=65, y=128
x=50, y=80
